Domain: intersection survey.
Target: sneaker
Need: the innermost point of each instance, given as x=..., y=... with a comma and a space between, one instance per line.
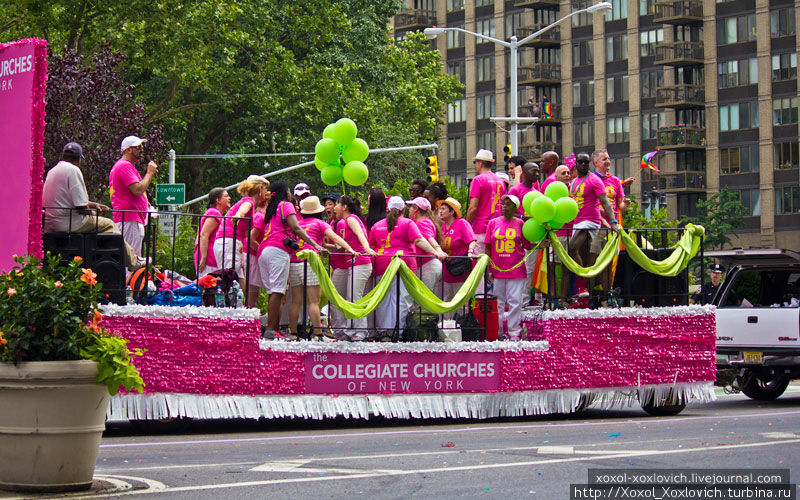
x=282, y=335
x=268, y=335
x=358, y=337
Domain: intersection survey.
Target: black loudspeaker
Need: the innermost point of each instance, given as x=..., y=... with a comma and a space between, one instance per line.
x=67, y=245
x=105, y=255
x=640, y=287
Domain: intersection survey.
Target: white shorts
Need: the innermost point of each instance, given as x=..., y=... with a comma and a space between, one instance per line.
x=231, y=247
x=133, y=234
x=590, y=226
x=254, y=274
x=274, y=265
x=296, y=275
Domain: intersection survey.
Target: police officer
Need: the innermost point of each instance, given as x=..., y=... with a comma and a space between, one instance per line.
x=709, y=289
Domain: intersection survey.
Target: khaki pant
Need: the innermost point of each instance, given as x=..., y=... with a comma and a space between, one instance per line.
x=104, y=225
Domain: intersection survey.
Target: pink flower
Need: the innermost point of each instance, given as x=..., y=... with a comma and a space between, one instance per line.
x=12, y=292
x=58, y=284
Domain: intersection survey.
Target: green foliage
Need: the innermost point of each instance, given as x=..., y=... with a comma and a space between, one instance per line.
x=634, y=218
x=720, y=215
x=44, y=307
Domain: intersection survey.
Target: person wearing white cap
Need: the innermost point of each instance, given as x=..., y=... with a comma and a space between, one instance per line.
x=301, y=191
x=430, y=269
x=127, y=190
x=388, y=236
x=484, y=198
x=505, y=246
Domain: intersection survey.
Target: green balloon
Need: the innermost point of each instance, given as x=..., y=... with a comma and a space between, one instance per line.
x=331, y=175
x=358, y=150
x=355, y=173
x=543, y=209
x=556, y=190
x=533, y=230
x=328, y=132
x=527, y=200
x=344, y=131
x=555, y=225
x=320, y=164
x=327, y=150
x=566, y=210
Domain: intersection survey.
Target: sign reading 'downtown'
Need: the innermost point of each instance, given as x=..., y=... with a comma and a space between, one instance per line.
x=402, y=372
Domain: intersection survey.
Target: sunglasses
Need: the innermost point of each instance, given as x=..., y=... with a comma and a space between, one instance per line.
x=582, y=161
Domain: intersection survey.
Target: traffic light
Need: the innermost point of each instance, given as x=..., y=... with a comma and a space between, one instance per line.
x=507, y=151
x=432, y=168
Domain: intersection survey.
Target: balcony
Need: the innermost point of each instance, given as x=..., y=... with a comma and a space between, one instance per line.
x=414, y=18
x=679, y=53
x=536, y=110
x=550, y=37
x=681, y=137
x=532, y=150
x=679, y=12
x=539, y=73
x=536, y=3
x=680, y=96
x=682, y=182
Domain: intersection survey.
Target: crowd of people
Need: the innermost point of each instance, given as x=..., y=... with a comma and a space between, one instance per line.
x=439, y=239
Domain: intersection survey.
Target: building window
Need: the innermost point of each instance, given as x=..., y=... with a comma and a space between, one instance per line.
x=617, y=88
x=616, y=48
x=583, y=53
x=619, y=10
x=618, y=129
x=784, y=110
x=484, y=68
x=786, y=155
x=485, y=106
x=455, y=39
x=646, y=7
x=483, y=3
x=687, y=33
x=458, y=70
x=739, y=160
x=514, y=21
x=583, y=93
x=485, y=27
x=692, y=117
x=648, y=40
x=650, y=124
x=787, y=200
x=584, y=18
x=781, y=22
x=751, y=199
x=738, y=116
x=487, y=140
x=651, y=80
x=737, y=73
x=691, y=161
x=736, y=29
x=547, y=55
x=784, y=67
x=622, y=167
x=545, y=16
x=455, y=5
x=457, y=111
x=584, y=133
x=456, y=147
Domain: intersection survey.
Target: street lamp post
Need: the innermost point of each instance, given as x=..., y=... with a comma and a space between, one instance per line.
x=513, y=45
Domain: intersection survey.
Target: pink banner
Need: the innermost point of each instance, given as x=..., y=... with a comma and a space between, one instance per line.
x=23, y=70
x=402, y=372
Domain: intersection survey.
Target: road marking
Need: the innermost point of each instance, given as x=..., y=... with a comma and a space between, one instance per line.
x=167, y=467
x=604, y=423
x=779, y=435
x=556, y=450
x=628, y=454
x=299, y=466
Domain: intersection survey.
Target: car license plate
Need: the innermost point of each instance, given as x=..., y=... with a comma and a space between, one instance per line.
x=753, y=357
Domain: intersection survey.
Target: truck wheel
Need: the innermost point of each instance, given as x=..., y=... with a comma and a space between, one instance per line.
x=764, y=385
x=666, y=407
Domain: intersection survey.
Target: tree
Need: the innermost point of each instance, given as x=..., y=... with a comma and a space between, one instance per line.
x=720, y=215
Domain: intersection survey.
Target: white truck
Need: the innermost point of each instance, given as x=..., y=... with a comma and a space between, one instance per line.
x=758, y=321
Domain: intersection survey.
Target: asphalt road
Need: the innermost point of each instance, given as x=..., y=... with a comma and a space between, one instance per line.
x=500, y=458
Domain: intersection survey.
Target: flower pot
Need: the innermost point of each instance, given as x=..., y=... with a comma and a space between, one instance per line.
x=51, y=421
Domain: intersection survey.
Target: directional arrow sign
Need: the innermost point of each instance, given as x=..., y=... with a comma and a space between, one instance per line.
x=170, y=194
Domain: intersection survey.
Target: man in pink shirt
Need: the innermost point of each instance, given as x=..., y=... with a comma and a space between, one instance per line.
x=549, y=163
x=505, y=246
x=128, y=192
x=616, y=196
x=484, y=196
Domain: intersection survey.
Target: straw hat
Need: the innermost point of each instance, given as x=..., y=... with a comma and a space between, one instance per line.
x=311, y=205
x=452, y=203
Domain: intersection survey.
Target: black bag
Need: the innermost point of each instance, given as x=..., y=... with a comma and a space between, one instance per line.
x=424, y=330
x=470, y=327
x=458, y=267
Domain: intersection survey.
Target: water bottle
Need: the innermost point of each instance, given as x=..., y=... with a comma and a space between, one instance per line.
x=239, y=296
x=129, y=296
x=219, y=297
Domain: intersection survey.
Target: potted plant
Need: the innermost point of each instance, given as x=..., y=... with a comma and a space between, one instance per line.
x=57, y=369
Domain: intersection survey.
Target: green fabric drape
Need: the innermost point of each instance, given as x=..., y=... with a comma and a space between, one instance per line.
x=416, y=288
x=607, y=254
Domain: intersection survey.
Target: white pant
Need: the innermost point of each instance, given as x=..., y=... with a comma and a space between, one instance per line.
x=509, y=292
x=274, y=265
x=450, y=290
x=350, y=284
x=480, y=249
x=386, y=315
x=133, y=234
x=225, y=261
x=431, y=274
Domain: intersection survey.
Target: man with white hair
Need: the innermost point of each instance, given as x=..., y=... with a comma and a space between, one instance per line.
x=128, y=192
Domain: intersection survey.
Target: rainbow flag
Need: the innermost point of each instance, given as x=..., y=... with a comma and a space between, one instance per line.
x=547, y=108
x=647, y=160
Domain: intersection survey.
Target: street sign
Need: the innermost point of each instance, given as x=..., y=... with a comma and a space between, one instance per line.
x=167, y=224
x=170, y=194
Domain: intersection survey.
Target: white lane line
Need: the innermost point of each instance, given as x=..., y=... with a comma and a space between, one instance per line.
x=779, y=435
x=454, y=469
x=644, y=420
x=168, y=467
x=299, y=466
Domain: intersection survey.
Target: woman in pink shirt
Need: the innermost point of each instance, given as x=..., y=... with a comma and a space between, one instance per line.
x=280, y=224
x=393, y=234
x=430, y=269
x=232, y=233
x=457, y=239
x=219, y=201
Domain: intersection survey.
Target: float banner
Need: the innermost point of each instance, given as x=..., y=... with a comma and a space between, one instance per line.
x=402, y=372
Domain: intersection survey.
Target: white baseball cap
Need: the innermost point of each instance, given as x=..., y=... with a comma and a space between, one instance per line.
x=131, y=142
x=504, y=176
x=511, y=197
x=301, y=188
x=395, y=202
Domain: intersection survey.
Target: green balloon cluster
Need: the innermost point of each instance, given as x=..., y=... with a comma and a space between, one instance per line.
x=550, y=210
x=340, y=155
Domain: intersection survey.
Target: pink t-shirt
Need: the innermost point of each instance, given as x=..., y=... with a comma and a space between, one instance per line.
x=277, y=229
x=455, y=241
x=315, y=228
x=550, y=179
x=401, y=238
x=211, y=259
x=339, y=261
x=122, y=175
x=428, y=230
x=487, y=188
x=520, y=190
x=227, y=225
x=615, y=192
x=587, y=191
x=506, y=247
x=258, y=223
x=352, y=240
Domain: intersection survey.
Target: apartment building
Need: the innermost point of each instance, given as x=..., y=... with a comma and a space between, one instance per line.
x=711, y=84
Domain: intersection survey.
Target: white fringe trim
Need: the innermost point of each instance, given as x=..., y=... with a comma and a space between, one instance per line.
x=461, y=405
x=370, y=347
x=629, y=312
x=238, y=313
